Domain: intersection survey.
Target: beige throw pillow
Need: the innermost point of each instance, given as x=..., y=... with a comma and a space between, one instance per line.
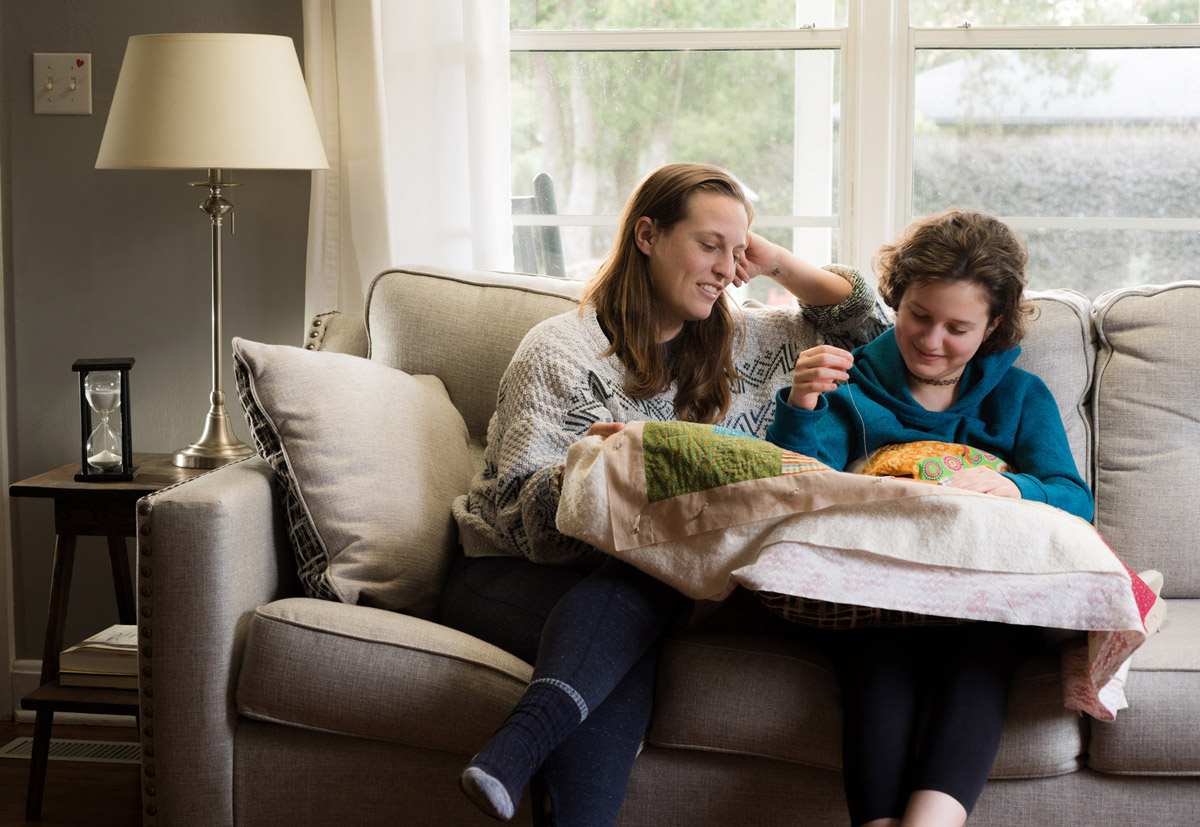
x=369, y=460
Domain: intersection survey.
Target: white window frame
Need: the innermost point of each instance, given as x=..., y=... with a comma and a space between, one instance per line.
x=878, y=51
x=801, y=39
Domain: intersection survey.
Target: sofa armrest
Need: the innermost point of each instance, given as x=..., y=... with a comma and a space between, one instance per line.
x=210, y=551
x=338, y=333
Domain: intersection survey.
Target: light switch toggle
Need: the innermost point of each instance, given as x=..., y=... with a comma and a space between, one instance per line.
x=62, y=83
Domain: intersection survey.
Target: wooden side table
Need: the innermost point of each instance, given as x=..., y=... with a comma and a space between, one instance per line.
x=105, y=509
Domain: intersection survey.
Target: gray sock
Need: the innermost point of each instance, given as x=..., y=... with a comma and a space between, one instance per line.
x=486, y=793
x=546, y=714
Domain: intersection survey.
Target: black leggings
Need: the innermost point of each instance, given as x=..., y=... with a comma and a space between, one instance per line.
x=923, y=710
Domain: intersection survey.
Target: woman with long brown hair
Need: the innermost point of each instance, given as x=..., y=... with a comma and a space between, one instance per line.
x=656, y=338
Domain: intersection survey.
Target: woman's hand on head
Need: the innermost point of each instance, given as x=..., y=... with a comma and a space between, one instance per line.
x=818, y=370
x=985, y=480
x=760, y=256
x=812, y=285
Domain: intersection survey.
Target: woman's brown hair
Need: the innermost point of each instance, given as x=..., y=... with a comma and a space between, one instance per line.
x=956, y=245
x=629, y=311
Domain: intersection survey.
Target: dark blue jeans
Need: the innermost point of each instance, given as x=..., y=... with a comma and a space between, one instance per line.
x=602, y=638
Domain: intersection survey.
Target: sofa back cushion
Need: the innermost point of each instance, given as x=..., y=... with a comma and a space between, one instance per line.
x=462, y=326
x=1148, y=429
x=1060, y=349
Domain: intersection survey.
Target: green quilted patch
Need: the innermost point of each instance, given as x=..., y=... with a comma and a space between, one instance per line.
x=686, y=457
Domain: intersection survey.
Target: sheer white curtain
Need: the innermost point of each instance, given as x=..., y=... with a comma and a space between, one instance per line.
x=412, y=99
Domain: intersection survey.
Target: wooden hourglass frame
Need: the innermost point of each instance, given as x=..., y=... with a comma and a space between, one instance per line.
x=125, y=471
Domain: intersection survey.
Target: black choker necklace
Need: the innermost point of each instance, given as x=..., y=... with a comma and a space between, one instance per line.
x=941, y=383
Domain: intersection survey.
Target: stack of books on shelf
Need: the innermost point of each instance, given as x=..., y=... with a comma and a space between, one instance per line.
x=106, y=659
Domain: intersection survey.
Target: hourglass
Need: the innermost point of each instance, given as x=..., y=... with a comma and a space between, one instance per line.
x=104, y=417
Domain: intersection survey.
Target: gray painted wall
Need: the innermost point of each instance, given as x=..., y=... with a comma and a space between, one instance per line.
x=103, y=263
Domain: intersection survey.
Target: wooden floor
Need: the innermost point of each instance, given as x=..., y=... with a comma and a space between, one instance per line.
x=77, y=793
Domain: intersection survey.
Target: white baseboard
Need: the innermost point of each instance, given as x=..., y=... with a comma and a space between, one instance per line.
x=27, y=676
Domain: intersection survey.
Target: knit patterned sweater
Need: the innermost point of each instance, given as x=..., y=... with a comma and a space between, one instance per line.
x=557, y=385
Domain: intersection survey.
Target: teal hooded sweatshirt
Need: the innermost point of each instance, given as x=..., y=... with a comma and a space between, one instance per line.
x=1000, y=409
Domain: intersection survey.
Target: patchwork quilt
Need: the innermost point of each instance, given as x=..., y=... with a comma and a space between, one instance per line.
x=706, y=509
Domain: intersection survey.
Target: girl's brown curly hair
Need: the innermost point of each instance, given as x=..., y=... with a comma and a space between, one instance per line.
x=962, y=244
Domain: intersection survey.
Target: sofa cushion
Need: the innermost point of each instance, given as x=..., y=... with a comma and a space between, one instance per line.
x=369, y=673
x=1147, y=429
x=369, y=460
x=289, y=777
x=1156, y=735
x=461, y=326
x=775, y=698
x=1059, y=349
x=748, y=695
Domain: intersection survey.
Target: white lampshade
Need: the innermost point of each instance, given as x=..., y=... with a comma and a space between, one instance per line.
x=211, y=101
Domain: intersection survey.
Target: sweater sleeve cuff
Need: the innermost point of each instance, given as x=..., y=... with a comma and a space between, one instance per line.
x=792, y=427
x=1030, y=487
x=851, y=310
x=549, y=491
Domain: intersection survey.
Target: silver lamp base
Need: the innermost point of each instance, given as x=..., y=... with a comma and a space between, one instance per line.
x=217, y=446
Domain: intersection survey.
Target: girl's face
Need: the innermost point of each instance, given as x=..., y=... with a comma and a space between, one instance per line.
x=692, y=262
x=940, y=326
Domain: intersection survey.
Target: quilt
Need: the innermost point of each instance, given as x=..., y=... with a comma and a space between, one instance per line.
x=706, y=509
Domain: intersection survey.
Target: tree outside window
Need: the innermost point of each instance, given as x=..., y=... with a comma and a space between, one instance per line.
x=1092, y=153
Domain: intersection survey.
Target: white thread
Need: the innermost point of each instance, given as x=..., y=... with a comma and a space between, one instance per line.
x=637, y=524
x=861, y=421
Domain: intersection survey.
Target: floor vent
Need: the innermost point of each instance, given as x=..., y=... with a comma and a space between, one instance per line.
x=61, y=749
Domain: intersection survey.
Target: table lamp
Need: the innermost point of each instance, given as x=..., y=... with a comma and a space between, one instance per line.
x=215, y=102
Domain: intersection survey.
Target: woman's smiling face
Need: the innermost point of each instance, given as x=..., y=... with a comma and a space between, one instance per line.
x=940, y=326
x=692, y=262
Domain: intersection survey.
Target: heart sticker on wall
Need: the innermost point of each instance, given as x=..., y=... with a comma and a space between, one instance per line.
x=78, y=63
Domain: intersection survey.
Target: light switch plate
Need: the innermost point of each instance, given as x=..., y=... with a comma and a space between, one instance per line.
x=62, y=83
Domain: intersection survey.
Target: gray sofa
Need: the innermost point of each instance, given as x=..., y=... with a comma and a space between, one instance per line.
x=261, y=706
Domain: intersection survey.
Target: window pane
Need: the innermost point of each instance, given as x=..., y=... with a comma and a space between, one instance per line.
x=598, y=122
x=588, y=246
x=1109, y=133
x=562, y=15
x=1092, y=261
x=1046, y=13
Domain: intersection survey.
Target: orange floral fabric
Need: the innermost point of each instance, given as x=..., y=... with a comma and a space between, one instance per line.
x=929, y=460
